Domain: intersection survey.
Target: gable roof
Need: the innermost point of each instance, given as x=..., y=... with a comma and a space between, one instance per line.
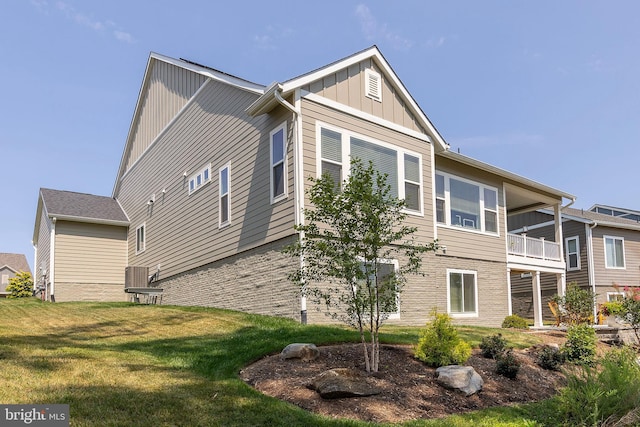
x=14, y=262
x=595, y=219
x=270, y=97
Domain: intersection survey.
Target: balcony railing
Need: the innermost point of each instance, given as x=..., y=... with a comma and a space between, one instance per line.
x=530, y=247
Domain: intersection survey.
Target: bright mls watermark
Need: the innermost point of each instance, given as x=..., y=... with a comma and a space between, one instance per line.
x=34, y=415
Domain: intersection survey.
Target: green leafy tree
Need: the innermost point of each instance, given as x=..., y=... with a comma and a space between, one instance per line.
x=20, y=286
x=346, y=244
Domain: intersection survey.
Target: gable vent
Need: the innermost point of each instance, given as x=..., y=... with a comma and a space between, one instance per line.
x=373, y=85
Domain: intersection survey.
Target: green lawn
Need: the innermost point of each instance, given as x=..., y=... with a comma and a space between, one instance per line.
x=119, y=364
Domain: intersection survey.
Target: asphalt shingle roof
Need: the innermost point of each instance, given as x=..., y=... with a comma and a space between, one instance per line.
x=17, y=262
x=80, y=205
x=598, y=217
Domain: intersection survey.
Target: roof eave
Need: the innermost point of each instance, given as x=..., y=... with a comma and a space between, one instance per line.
x=102, y=221
x=266, y=102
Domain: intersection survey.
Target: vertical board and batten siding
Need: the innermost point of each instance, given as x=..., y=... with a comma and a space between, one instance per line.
x=347, y=87
x=90, y=253
x=313, y=113
x=182, y=231
x=43, y=245
x=606, y=277
x=528, y=219
x=167, y=91
x=469, y=244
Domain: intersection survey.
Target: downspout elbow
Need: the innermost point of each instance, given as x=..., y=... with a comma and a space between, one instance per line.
x=284, y=102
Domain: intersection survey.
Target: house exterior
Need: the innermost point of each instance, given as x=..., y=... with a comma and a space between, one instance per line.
x=601, y=250
x=80, y=243
x=215, y=168
x=10, y=265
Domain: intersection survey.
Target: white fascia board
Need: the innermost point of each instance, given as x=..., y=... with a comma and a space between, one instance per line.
x=504, y=173
x=372, y=52
x=89, y=220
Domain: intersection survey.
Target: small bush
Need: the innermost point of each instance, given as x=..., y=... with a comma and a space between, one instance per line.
x=440, y=345
x=580, y=347
x=515, y=321
x=603, y=396
x=577, y=303
x=612, y=308
x=20, y=286
x=507, y=364
x=550, y=358
x=493, y=346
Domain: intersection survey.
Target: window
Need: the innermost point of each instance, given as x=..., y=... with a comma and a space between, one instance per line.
x=614, y=252
x=140, y=239
x=572, y=247
x=466, y=204
x=5, y=279
x=197, y=180
x=403, y=169
x=615, y=296
x=373, y=85
x=278, y=164
x=224, y=201
x=462, y=296
x=386, y=270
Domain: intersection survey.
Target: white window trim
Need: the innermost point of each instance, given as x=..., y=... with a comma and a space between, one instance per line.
x=194, y=178
x=624, y=257
x=228, y=194
x=396, y=267
x=284, y=195
x=142, y=226
x=467, y=314
x=447, y=204
x=5, y=280
x=566, y=246
x=346, y=136
x=610, y=294
x=375, y=77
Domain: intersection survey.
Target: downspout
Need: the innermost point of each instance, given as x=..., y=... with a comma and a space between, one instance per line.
x=35, y=262
x=52, y=252
x=297, y=183
x=590, y=262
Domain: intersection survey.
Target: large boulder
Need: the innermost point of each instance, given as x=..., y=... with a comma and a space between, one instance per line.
x=303, y=351
x=462, y=378
x=342, y=382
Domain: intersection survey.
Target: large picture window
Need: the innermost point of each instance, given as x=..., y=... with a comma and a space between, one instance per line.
x=403, y=169
x=390, y=298
x=463, y=293
x=466, y=204
x=614, y=252
x=278, y=163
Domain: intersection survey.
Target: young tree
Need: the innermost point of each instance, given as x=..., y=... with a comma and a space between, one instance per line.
x=346, y=246
x=20, y=286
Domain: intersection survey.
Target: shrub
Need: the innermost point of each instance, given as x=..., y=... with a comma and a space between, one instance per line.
x=550, y=358
x=493, y=346
x=515, y=321
x=612, y=308
x=20, y=286
x=439, y=343
x=578, y=304
x=580, y=347
x=507, y=364
x=603, y=396
x=630, y=310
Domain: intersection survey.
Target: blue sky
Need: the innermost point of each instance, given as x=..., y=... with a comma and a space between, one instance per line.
x=548, y=89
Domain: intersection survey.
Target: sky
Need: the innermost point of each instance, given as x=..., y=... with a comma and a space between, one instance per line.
x=546, y=89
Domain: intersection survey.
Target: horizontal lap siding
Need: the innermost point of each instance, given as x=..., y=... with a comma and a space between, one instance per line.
x=44, y=248
x=90, y=253
x=182, y=229
x=102, y=292
x=606, y=277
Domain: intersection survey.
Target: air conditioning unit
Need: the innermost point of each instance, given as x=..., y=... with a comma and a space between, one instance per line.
x=136, y=277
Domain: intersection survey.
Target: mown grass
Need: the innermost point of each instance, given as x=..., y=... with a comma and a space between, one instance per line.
x=119, y=364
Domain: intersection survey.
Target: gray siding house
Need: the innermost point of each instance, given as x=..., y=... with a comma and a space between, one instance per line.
x=601, y=250
x=10, y=265
x=214, y=171
x=80, y=243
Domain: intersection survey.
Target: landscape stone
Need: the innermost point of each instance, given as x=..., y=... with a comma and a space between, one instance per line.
x=342, y=382
x=462, y=378
x=304, y=351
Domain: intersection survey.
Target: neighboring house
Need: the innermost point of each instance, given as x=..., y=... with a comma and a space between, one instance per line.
x=214, y=172
x=10, y=265
x=80, y=243
x=601, y=249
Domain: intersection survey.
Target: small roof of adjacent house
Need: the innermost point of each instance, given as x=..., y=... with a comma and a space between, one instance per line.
x=590, y=217
x=15, y=262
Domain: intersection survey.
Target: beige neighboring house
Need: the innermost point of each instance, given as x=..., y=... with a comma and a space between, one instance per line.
x=10, y=265
x=602, y=249
x=80, y=243
x=215, y=168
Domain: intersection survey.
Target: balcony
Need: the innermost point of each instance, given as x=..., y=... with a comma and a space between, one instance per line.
x=533, y=252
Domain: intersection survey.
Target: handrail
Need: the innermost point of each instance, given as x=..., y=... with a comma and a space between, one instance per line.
x=529, y=247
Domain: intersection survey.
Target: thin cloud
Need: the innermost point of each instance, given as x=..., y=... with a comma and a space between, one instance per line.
x=272, y=36
x=372, y=30
x=84, y=20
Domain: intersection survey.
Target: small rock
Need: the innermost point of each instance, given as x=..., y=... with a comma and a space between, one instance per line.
x=342, y=382
x=305, y=352
x=462, y=378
